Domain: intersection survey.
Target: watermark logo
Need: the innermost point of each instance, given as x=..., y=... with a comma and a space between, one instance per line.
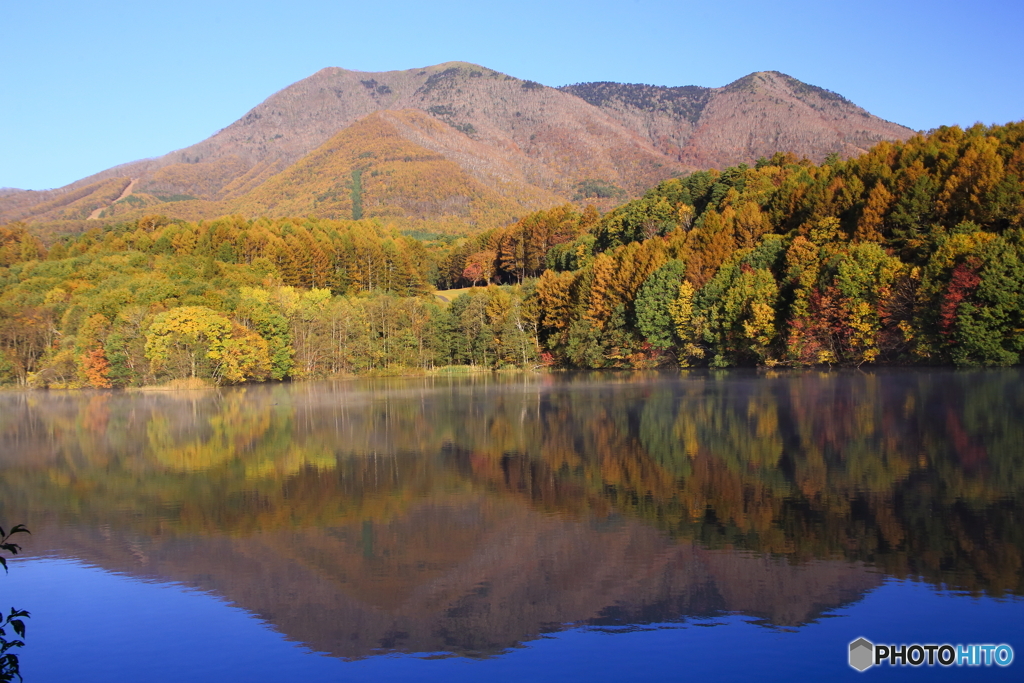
x=864, y=654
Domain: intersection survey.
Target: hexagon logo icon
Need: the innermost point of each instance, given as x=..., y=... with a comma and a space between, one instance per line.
x=862, y=654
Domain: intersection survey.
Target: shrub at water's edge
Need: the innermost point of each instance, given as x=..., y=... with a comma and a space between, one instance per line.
x=10, y=665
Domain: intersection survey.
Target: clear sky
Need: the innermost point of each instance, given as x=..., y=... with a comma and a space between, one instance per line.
x=85, y=85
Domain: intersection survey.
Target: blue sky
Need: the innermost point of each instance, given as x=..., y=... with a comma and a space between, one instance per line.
x=88, y=85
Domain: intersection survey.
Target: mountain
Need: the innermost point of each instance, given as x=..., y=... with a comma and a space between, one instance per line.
x=758, y=115
x=461, y=144
x=433, y=584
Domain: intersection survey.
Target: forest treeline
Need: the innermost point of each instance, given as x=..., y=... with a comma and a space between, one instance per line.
x=232, y=300
x=910, y=253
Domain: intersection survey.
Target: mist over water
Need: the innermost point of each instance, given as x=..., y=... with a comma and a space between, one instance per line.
x=510, y=518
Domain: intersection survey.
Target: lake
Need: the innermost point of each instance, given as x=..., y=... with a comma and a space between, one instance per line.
x=586, y=526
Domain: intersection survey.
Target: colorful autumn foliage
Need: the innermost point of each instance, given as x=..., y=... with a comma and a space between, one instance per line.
x=232, y=300
x=911, y=253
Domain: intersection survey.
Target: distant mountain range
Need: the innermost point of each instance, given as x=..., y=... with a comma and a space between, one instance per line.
x=460, y=146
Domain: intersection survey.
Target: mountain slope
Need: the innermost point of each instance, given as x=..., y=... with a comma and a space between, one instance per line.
x=546, y=125
x=757, y=115
x=516, y=138
x=375, y=163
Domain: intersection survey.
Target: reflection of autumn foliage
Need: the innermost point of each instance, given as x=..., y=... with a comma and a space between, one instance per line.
x=914, y=473
x=96, y=415
x=970, y=454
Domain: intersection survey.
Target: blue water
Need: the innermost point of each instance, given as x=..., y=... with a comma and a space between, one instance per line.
x=600, y=527
x=88, y=624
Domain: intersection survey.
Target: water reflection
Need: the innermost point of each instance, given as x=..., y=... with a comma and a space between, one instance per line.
x=469, y=515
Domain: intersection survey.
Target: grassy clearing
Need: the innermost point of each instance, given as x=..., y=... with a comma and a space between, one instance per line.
x=448, y=295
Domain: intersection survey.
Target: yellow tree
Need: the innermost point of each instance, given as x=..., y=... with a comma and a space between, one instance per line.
x=869, y=227
x=711, y=243
x=751, y=223
x=978, y=170
x=197, y=342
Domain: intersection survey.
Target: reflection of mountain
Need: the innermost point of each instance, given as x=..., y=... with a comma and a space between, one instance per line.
x=469, y=574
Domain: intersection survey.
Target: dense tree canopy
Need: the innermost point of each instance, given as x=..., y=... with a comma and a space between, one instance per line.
x=233, y=300
x=910, y=253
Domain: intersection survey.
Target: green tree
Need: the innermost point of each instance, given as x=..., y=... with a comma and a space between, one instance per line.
x=989, y=326
x=257, y=311
x=653, y=300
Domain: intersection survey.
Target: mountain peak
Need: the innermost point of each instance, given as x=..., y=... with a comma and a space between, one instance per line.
x=468, y=67
x=760, y=81
x=509, y=137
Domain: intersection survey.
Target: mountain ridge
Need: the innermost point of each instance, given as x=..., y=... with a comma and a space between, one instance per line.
x=512, y=135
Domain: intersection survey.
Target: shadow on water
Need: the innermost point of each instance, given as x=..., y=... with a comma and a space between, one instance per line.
x=468, y=515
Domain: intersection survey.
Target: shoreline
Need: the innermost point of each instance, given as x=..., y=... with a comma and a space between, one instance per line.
x=198, y=385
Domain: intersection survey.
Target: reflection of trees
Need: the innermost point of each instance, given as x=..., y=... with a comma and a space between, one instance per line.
x=918, y=473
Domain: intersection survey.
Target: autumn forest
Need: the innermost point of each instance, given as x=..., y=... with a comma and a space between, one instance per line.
x=912, y=253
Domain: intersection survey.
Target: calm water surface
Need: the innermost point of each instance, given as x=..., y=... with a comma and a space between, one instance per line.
x=589, y=527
